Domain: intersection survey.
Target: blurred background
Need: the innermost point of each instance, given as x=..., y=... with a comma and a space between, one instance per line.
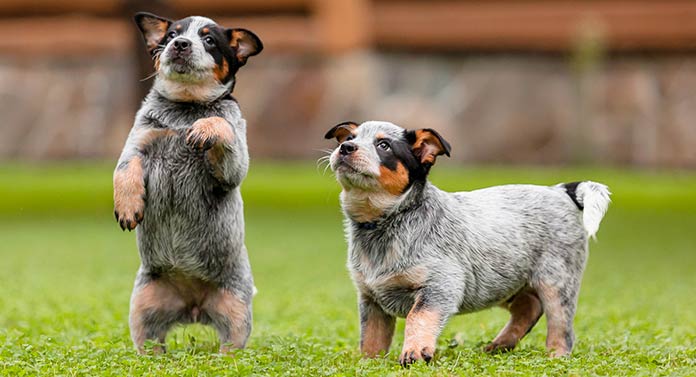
x=526, y=91
x=519, y=81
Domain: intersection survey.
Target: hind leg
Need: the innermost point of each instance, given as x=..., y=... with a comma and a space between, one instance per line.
x=231, y=316
x=155, y=308
x=559, y=303
x=525, y=311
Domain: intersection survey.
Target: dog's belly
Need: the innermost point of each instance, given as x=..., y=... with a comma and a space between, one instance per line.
x=191, y=225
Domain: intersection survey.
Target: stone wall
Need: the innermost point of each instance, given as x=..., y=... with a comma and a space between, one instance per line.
x=522, y=108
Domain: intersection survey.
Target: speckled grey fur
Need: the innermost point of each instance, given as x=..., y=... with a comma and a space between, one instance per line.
x=193, y=223
x=478, y=249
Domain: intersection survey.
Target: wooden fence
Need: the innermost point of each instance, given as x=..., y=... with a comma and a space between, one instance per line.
x=45, y=27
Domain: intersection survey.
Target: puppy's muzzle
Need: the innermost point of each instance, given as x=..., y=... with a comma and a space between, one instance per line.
x=347, y=148
x=182, y=46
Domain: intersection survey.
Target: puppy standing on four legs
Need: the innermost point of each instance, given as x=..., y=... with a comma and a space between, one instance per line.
x=178, y=181
x=418, y=252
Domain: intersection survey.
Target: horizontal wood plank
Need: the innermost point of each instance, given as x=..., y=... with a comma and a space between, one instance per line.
x=535, y=25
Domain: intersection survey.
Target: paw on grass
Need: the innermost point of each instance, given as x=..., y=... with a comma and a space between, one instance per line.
x=410, y=355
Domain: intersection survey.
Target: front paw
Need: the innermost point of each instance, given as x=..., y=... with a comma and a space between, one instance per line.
x=413, y=353
x=207, y=132
x=129, y=211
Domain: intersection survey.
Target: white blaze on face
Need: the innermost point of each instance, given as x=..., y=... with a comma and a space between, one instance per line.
x=198, y=83
x=363, y=165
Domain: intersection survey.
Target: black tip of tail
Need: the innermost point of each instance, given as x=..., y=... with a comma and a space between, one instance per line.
x=571, y=190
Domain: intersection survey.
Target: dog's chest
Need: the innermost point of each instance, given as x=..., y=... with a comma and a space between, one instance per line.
x=392, y=286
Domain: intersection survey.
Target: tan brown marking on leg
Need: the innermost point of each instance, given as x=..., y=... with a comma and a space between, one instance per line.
x=376, y=333
x=236, y=315
x=129, y=194
x=153, y=297
x=420, y=335
x=525, y=311
x=394, y=181
x=207, y=132
x=129, y=184
x=556, y=322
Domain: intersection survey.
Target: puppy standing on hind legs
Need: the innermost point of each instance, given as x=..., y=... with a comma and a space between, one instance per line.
x=418, y=252
x=178, y=179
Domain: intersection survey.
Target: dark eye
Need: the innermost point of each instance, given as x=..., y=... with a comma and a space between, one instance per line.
x=209, y=40
x=349, y=138
x=171, y=35
x=383, y=145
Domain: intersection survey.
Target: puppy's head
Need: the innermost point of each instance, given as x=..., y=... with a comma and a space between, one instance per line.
x=195, y=58
x=383, y=159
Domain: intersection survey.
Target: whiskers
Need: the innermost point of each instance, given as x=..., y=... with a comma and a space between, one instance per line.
x=324, y=160
x=156, y=52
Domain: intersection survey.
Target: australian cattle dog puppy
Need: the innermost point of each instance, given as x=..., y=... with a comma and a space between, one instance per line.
x=178, y=179
x=418, y=252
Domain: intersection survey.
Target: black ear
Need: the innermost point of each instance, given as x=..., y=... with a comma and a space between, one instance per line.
x=153, y=28
x=244, y=43
x=341, y=131
x=427, y=144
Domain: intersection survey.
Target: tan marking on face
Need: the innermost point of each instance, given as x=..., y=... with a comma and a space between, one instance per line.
x=205, y=30
x=393, y=181
x=221, y=71
x=178, y=27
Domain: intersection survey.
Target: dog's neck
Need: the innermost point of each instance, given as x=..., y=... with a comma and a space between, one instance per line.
x=368, y=207
x=199, y=92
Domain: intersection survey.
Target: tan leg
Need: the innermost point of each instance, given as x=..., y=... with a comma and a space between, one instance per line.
x=559, y=320
x=525, y=311
x=155, y=307
x=231, y=317
x=423, y=325
x=129, y=194
x=376, y=329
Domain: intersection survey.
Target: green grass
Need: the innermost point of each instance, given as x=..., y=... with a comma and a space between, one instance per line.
x=67, y=271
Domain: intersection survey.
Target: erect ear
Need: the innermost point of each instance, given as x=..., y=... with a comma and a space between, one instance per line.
x=152, y=27
x=244, y=43
x=341, y=131
x=427, y=144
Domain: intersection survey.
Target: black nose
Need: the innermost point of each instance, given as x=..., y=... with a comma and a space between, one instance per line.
x=182, y=44
x=347, y=148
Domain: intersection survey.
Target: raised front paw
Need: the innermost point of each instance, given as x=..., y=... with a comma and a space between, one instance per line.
x=207, y=132
x=413, y=353
x=129, y=210
x=129, y=194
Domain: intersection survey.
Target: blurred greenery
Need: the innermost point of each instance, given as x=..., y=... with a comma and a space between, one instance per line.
x=67, y=270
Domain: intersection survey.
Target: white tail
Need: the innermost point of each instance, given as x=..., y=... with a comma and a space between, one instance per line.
x=594, y=197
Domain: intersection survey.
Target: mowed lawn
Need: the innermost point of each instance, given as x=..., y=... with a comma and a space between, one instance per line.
x=66, y=271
